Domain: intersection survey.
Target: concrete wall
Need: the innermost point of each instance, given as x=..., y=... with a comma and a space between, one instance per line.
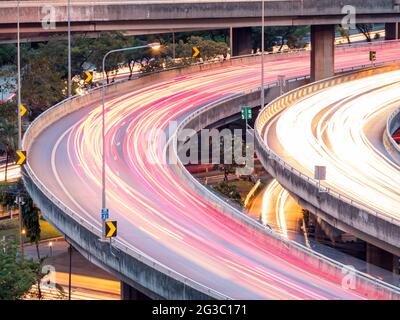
x=322, y=52
x=376, y=228
x=241, y=41
x=392, y=31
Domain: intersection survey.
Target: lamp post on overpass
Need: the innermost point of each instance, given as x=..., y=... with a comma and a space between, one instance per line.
x=154, y=46
x=19, y=124
x=262, y=52
x=69, y=49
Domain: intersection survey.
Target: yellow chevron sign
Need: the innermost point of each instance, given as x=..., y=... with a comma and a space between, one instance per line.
x=195, y=52
x=22, y=110
x=88, y=77
x=21, y=157
x=110, y=229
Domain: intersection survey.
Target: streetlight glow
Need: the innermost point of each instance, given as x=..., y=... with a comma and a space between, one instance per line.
x=155, y=45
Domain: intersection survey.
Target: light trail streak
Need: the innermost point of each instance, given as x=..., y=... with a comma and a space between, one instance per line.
x=157, y=213
x=342, y=127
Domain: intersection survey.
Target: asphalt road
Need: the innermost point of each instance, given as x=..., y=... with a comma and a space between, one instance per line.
x=157, y=214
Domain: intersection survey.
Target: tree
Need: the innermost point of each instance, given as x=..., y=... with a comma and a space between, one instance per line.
x=43, y=84
x=8, y=133
x=31, y=217
x=345, y=33
x=17, y=275
x=229, y=191
x=295, y=38
x=104, y=43
x=365, y=29
x=8, y=54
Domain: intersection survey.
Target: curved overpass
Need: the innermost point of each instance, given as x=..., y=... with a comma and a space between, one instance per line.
x=341, y=124
x=163, y=222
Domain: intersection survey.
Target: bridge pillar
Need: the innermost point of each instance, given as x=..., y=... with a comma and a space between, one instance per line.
x=382, y=258
x=392, y=31
x=241, y=41
x=130, y=293
x=322, y=52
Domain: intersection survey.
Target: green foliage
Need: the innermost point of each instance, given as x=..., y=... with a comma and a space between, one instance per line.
x=8, y=54
x=209, y=49
x=8, y=128
x=228, y=190
x=345, y=33
x=365, y=29
x=17, y=275
x=292, y=36
x=42, y=82
x=31, y=219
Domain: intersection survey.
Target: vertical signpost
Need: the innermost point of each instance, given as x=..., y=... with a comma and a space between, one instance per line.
x=246, y=114
x=262, y=52
x=320, y=175
x=105, y=215
x=20, y=152
x=281, y=84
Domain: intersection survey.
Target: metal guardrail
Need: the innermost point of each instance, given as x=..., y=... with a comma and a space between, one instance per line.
x=285, y=101
x=96, y=229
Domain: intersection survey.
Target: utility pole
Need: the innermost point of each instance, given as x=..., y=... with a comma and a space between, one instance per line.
x=231, y=40
x=69, y=49
x=19, y=80
x=21, y=238
x=154, y=46
x=262, y=53
x=70, y=272
x=173, y=45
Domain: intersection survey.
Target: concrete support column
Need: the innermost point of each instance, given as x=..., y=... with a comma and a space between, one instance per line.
x=130, y=293
x=392, y=31
x=382, y=258
x=322, y=52
x=241, y=42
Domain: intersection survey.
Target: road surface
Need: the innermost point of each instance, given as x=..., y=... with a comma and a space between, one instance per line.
x=343, y=128
x=158, y=214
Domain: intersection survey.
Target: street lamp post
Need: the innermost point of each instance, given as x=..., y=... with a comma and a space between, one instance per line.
x=51, y=248
x=262, y=53
x=69, y=49
x=19, y=124
x=154, y=46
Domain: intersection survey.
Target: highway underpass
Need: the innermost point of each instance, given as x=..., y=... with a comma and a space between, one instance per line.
x=190, y=241
x=154, y=17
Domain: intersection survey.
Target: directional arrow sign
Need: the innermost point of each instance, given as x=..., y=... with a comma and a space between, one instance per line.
x=195, y=52
x=21, y=157
x=88, y=77
x=22, y=111
x=110, y=229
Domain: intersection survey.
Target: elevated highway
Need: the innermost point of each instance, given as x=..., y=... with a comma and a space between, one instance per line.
x=339, y=123
x=172, y=243
x=157, y=16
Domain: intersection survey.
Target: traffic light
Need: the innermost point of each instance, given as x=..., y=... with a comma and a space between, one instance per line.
x=372, y=56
